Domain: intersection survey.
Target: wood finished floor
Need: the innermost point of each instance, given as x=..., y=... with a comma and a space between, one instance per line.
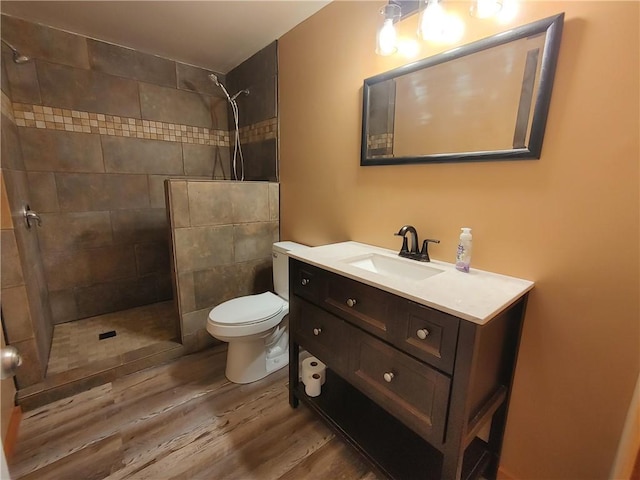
x=182, y=420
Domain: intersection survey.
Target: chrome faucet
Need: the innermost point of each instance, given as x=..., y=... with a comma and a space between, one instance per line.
x=413, y=253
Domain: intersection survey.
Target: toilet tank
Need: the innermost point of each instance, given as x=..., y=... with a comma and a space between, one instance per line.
x=281, y=266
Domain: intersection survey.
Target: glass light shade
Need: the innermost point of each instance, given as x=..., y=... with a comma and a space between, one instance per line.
x=386, y=39
x=386, y=42
x=508, y=12
x=432, y=21
x=485, y=8
x=437, y=25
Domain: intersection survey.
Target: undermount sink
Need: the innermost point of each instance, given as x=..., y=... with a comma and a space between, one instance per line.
x=394, y=267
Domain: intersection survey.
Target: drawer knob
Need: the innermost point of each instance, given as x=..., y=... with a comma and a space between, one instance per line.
x=351, y=302
x=317, y=331
x=422, y=333
x=305, y=281
x=388, y=376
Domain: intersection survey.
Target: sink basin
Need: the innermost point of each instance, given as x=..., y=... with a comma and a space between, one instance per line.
x=394, y=267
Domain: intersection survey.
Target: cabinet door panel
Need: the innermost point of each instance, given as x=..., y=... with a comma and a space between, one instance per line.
x=307, y=281
x=367, y=307
x=408, y=389
x=321, y=333
x=429, y=335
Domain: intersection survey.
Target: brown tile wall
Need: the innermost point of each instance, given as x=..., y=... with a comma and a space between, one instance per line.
x=101, y=127
x=222, y=233
x=25, y=306
x=258, y=74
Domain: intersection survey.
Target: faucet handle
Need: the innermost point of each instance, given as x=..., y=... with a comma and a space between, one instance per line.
x=424, y=253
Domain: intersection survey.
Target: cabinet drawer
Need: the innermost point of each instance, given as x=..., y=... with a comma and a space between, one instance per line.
x=307, y=281
x=429, y=335
x=369, y=308
x=410, y=390
x=321, y=333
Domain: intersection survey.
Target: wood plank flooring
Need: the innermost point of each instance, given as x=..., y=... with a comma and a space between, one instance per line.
x=182, y=420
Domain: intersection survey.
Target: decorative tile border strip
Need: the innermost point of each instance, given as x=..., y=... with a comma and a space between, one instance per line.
x=380, y=141
x=52, y=118
x=260, y=131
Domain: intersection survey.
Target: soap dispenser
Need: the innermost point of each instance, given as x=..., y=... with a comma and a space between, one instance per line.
x=463, y=257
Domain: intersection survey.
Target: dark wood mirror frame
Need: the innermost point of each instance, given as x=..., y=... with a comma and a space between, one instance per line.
x=531, y=127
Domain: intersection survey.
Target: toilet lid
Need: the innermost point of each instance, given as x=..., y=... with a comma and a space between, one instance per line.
x=249, y=309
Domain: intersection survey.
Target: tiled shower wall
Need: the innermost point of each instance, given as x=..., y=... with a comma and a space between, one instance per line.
x=26, y=317
x=258, y=112
x=101, y=127
x=222, y=236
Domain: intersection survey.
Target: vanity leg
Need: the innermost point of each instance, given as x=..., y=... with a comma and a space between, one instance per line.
x=452, y=467
x=294, y=351
x=496, y=437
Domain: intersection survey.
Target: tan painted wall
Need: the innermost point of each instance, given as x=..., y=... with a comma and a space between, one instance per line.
x=569, y=221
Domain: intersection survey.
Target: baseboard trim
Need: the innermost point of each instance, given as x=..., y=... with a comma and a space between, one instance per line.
x=11, y=438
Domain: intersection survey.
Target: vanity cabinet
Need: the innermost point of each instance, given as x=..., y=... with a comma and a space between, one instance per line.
x=421, y=393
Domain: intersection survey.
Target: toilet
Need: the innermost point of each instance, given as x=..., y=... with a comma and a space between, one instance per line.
x=255, y=325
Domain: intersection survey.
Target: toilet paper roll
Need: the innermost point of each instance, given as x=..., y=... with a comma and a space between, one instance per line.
x=313, y=385
x=310, y=366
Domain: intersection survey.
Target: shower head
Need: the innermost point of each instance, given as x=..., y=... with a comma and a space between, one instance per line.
x=17, y=56
x=214, y=78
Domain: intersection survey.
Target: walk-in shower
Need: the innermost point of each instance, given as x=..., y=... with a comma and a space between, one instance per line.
x=237, y=147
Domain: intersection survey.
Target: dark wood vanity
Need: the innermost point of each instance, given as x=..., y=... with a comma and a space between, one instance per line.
x=409, y=386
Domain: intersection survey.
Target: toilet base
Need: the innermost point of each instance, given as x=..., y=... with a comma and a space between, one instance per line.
x=247, y=361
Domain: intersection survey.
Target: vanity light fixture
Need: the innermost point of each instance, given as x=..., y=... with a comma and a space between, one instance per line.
x=485, y=8
x=437, y=25
x=386, y=41
x=432, y=20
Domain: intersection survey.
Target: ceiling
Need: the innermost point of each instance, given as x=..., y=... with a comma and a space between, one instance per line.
x=217, y=35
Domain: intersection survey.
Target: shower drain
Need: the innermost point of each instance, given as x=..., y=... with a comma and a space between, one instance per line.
x=109, y=334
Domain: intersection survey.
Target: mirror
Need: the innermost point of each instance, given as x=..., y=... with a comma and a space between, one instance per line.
x=487, y=100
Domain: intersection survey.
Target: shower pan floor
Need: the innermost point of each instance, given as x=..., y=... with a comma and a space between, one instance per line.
x=78, y=344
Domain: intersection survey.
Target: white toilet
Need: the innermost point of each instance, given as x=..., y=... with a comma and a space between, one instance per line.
x=255, y=325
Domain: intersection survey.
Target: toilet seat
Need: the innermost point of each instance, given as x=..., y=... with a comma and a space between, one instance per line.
x=247, y=310
x=248, y=315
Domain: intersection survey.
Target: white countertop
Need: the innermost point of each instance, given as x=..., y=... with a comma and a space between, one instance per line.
x=477, y=296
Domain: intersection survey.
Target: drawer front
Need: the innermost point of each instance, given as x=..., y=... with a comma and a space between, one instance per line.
x=429, y=335
x=367, y=307
x=307, y=281
x=321, y=333
x=410, y=390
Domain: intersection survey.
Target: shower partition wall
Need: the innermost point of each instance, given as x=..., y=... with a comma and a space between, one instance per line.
x=222, y=235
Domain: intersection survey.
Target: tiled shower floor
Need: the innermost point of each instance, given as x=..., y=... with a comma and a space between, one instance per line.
x=77, y=344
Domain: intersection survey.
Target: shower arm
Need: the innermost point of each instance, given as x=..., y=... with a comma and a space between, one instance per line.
x=17, y=56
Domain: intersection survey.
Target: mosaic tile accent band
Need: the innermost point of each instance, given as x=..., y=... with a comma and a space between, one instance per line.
x=51, y=118
x=381, y=144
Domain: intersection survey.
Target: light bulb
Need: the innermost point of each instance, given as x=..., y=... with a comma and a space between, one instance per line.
x=437, y=25
x=432, y=21
x=387, y=38
x=485, y=8
x=508, y=11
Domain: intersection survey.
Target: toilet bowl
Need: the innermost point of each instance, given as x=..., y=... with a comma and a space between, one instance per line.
x=256, y=326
